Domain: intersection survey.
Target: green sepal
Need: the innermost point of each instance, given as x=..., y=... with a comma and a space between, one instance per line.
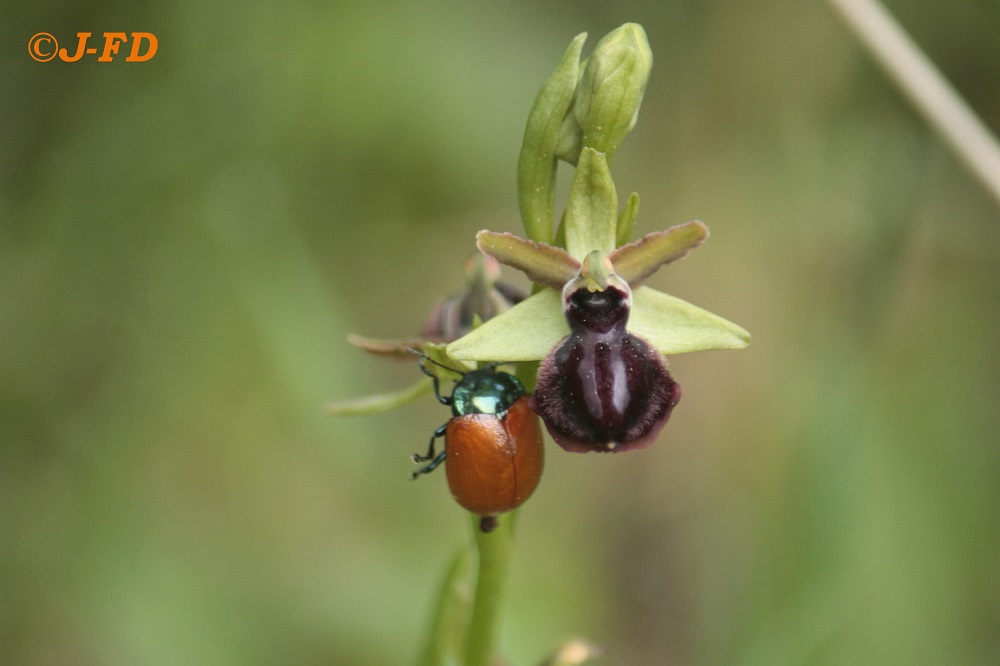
x=536, y=166
x=592, y=209
x=381, y=402
x=397, y=349
x=674, y=326
x=526, y=332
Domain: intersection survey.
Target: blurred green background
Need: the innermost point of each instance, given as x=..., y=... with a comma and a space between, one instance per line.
x=185, y=243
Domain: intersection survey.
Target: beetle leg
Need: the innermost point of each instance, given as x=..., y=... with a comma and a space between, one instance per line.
x=417, y=458
x=444, y=400
x=431, y=466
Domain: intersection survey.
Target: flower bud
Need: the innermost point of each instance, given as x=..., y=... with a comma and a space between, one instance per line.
x=536, y=167
x=485, y=297
x=611, y=89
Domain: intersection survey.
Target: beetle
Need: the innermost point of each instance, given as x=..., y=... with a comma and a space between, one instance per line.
x=493, y=452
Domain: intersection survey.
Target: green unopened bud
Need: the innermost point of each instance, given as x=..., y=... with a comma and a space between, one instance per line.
x=612, y=86
x=536, y=167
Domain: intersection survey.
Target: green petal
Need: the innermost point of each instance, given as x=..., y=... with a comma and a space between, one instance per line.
x=382, y=402
x=592, y=209
x=674, y=326
x=542, y=263
x=526, y=332
x=636, y=261
x=536, y=166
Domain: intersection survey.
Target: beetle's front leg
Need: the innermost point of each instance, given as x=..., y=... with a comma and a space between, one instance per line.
x=436, y=459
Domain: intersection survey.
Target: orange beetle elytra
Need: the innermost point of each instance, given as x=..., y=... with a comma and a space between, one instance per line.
x=493, y=451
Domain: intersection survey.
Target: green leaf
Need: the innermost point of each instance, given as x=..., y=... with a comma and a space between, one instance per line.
x=626, y=220
x=636, y=261
x=536, y=166
x=447, y=636
x=382, y=402
x=674, y=326
x=592, y=209
x=526, y=332
x=542, y=263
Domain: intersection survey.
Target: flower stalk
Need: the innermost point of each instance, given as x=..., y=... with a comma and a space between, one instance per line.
x=496, y=554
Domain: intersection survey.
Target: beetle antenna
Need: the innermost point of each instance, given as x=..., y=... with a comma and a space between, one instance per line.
x=425, y=357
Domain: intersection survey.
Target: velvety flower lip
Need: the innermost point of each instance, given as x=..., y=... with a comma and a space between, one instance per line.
x=603, y=388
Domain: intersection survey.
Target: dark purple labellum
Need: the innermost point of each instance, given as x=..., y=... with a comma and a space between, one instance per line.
x=602, y=388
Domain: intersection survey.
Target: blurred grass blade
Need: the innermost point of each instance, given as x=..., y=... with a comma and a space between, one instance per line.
x=929, y=91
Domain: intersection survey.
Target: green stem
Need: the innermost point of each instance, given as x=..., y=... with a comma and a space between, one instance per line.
x=496, y=550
